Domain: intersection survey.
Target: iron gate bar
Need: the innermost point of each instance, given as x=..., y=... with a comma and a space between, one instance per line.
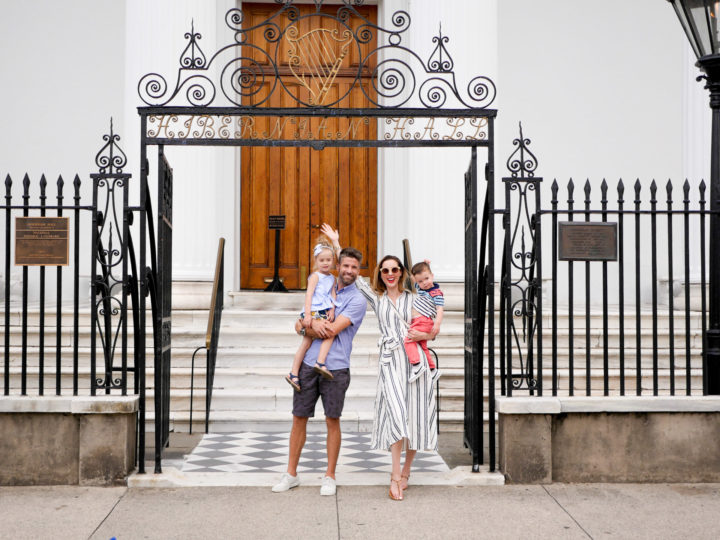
x=316, y=144
x=318, y=112
x=58, y=299
x=702, y=284
x=144, y=291
x=554, y=344
x=23, y=382
x=638, y=322
x=653, y=256
x=8, y=200
x=606, y=362
x=671, y=281
x=571, y=294
x=536, y=288
x=76, y=287
x=621, y=285
x=41, y=344
x=588, y=388
x=686, y=223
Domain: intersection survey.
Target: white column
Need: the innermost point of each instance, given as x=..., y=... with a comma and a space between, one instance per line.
x=422, y=190
x=204, y=177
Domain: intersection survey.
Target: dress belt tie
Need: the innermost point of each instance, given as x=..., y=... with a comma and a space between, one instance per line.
x=388, y=343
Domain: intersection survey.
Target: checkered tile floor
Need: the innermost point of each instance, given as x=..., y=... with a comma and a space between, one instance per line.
x=267, y=452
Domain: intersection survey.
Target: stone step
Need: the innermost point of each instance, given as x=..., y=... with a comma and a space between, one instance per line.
x=260, y=300
x=233, y=338
x=233, y=315
x=270, y=382
x=362, y=357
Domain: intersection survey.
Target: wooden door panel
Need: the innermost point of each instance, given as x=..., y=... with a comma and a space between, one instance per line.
x=309, y=187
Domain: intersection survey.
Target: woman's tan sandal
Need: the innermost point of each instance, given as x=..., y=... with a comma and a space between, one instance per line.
x=405, y=477
x=399, y=489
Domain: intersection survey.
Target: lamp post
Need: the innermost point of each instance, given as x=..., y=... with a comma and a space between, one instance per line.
x=699, y=19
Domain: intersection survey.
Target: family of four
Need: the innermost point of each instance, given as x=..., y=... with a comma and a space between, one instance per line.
x=405, y=415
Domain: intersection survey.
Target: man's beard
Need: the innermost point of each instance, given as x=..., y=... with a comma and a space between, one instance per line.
x=344, y=279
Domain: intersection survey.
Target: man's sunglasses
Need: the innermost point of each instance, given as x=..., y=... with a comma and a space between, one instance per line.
x=393, y=270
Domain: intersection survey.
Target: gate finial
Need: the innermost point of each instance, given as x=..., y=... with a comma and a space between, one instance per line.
x=519, y=164
x=111, y=155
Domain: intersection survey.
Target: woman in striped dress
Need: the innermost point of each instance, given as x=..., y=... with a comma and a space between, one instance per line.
x=405, y=413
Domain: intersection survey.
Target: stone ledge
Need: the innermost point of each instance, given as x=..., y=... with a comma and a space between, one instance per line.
x=600, y=404
x=69, y=404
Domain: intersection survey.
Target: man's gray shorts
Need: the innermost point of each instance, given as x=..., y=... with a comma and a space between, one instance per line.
x=314, y=386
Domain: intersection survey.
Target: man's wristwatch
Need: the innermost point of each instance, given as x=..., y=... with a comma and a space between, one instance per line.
x=302, y=331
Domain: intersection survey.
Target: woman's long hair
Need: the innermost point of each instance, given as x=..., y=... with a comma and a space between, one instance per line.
x=378, y=284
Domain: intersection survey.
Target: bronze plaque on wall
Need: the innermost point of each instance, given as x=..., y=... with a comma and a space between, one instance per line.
x=42, y=241
x=584, y=241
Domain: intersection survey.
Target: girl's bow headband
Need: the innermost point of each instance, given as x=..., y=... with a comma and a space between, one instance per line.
x=318, y=249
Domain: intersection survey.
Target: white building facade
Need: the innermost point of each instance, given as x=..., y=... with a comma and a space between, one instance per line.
x=603, y=92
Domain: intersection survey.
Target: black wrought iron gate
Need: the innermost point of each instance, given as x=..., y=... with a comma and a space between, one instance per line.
x=203, y=109
x=163, y=313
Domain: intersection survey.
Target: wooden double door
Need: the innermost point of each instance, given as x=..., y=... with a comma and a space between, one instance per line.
x=309, y=187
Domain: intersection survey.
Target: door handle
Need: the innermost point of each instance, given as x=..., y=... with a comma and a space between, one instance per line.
x=314, y=226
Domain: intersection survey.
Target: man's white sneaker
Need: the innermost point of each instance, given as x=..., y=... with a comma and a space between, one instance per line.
x=417, y=370
x=328, y=486
x=286, y=482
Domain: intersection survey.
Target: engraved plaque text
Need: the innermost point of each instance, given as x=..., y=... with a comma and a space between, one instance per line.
x=583, y=241
x=42, y=241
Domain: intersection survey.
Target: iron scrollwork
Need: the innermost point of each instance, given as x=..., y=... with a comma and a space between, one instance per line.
x=109, y=279
x=397, y=74
x=520, y=284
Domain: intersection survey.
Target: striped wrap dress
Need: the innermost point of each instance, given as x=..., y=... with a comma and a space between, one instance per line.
x=403, y=410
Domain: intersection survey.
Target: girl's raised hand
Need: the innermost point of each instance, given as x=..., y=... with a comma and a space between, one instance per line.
x=332, y=234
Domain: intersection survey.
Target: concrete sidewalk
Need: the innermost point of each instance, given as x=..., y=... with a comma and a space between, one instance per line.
x=555, y=511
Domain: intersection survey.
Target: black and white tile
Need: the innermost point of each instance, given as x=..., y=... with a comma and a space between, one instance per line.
x=267, y=453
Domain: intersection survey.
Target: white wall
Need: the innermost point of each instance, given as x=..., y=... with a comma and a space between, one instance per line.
x=599, y=88
x=204, y=179
x=62, y=66
x=421, y=190
x=602, y=91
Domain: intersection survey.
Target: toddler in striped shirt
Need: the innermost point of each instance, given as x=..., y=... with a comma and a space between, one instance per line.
x=427, y=316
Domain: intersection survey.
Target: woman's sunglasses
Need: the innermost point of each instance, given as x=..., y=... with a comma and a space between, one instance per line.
x=393, y=270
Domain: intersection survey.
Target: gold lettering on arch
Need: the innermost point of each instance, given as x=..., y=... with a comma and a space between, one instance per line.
x=314, y=128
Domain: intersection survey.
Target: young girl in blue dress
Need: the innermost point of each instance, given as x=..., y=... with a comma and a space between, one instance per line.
x=319, y=304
